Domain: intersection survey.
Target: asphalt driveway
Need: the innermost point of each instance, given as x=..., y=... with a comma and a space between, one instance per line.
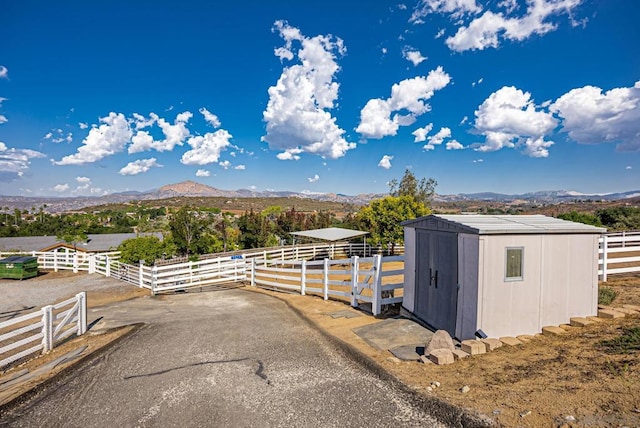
x=228, y=358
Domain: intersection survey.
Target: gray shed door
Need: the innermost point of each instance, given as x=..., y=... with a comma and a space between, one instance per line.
x=437, y=279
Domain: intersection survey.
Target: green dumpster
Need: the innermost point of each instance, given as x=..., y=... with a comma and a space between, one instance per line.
x=19, y=267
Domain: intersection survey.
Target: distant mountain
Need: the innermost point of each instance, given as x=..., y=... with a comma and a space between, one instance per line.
x=194, y=189
x=546, y=196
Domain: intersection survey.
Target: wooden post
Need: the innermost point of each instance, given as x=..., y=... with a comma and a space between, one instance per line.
x=354, y=281
x=376, y=306
x=92, y=263
x=325, y=279
x=47, y=329
x=82, y=313
x=107, y=267
x=154, y=280
x=141, y=274
x=605, y=248
x=303, y=278
x=253, y=272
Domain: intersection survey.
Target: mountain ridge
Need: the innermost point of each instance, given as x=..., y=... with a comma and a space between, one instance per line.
x=191, y=188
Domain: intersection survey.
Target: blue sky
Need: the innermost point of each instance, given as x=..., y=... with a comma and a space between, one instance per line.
x=506, y=95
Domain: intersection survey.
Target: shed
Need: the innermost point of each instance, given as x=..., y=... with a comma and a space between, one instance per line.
x=504, y=275
x=18, y=267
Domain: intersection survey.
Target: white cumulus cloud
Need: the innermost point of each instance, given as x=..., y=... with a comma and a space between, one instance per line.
x=407, y=98
x=139, y=166
x=83, y=180
x=509, y=118
x=61, y=187
x=314, y=178
x=385, y=162
x=105, y=140
x=211, y=118
x=83, y=125
x=297, y=114
x=488, y=29
x=591, y=116
x=437, y=139
x=454, y=145
x=420, y=134
x=4, y=72
x=14, y=162
x=206, y=149
x=413, y=55
x=455, y=8
x=202, y=173
x=240, y=167
x=3, y=119
x=225, y=164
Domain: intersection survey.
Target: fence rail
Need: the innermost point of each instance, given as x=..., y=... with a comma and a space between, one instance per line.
x=41, y=330
x=359, y=280
x=619, y=253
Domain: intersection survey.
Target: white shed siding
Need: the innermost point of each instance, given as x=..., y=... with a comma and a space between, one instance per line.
x=510, y=307
x=570, y=285
x=409, y=293
x=468, y=263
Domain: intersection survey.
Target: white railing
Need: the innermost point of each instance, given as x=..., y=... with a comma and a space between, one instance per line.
x=356, y=279
x=41, y=330
x=619, y=253
x=75, y=261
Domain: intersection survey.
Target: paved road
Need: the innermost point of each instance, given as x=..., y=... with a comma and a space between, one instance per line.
x=227, y=358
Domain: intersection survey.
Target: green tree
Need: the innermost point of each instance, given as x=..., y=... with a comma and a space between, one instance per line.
x=145, y=248
x=382, y=218
x=186, y=230
x=72, y=235
x=578, y=217
x=422, y=190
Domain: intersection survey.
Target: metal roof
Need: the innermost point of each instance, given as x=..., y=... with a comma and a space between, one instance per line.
x=95, y=242
x=330, y=234
x=508, y=224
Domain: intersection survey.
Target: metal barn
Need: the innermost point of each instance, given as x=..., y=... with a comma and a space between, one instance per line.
x=504, y=275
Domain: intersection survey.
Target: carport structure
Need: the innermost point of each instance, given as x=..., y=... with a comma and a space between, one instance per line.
x=332, y=235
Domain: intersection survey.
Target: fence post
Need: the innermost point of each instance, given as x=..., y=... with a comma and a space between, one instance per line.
x=253, y=272
x=154, y=280
x=191, y=270
x=55, y=261
x=354, y=281
x=376, y=307
x=47, y=329
x=296, y=251
x=605, y=248
x=75, y=262
x=303, y=278
x=82, y=313
x=107, y=267
x=325, y=279
x=141, y=274
x=92, y=263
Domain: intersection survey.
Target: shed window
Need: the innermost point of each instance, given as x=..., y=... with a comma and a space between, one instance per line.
x=513, y=265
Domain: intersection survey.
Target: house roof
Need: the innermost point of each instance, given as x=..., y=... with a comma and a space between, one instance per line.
x=502, y=224
x=94, y=243
x=331, y=234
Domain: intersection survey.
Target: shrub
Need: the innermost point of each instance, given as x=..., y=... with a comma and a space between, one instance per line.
x=628, y=342
x=606, y=295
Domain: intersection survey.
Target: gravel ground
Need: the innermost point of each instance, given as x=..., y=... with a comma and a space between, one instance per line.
x=51, y=287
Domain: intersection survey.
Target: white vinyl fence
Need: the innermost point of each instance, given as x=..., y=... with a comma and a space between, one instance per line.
x=619, y=253
x=41, y=330
x=357, y=279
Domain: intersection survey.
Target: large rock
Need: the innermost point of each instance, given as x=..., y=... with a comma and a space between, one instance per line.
x=440, y=340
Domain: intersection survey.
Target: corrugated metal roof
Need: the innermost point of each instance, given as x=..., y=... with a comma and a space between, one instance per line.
x=516, y=224
x=330, y=234
x=95, y=242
